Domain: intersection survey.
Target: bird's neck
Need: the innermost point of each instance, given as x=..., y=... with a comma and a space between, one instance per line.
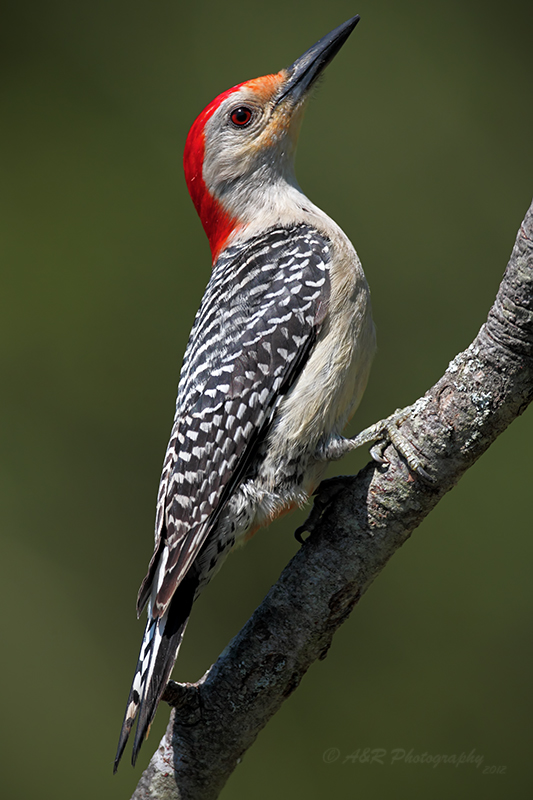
x=264, y=200
x=241, y=209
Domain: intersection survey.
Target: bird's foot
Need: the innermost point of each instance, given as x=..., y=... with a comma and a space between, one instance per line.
x=387, y=431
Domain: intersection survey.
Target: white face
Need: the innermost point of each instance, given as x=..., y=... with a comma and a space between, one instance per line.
x=250, y=136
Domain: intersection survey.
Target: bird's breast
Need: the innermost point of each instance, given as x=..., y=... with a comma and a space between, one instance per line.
x=331, y=384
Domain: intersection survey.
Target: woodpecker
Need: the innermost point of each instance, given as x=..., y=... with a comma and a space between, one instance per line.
x=277, y=360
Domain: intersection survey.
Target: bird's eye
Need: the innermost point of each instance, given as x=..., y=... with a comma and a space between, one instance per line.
x=241, y=116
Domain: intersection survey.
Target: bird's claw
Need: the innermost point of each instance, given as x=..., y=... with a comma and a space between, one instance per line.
x=376, y=452
x=324, y=494
x=300, y=530
x=387, y=432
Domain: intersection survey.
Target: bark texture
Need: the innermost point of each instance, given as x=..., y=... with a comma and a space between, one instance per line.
x=484, y=388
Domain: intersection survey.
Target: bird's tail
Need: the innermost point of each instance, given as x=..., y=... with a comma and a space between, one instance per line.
x=159, y=649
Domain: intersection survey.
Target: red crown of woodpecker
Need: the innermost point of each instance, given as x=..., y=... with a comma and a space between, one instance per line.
x=217, y=223
x=250, y=129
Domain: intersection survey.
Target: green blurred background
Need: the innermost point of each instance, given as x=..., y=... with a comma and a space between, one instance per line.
x=419, y=144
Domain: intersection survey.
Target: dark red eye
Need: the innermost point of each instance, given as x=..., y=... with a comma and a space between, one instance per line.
x=241, y=116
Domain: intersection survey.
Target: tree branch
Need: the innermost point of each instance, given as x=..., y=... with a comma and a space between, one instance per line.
x=484, y=388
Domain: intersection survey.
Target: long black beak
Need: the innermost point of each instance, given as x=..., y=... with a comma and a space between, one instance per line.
x=306, y=69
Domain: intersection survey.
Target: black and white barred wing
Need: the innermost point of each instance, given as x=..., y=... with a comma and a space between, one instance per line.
x=252, y=335
x=258, y=321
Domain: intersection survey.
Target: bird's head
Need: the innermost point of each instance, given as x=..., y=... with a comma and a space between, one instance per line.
x=240, y=149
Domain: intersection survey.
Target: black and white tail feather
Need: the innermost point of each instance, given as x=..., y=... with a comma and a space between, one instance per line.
x=159, y=649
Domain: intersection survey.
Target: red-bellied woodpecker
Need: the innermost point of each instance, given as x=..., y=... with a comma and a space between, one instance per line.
x=277, y=360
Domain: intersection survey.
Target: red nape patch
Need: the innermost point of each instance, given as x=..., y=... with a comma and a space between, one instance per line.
x=217, y=223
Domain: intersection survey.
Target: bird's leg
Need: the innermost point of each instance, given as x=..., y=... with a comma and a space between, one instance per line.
x=386, y=431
